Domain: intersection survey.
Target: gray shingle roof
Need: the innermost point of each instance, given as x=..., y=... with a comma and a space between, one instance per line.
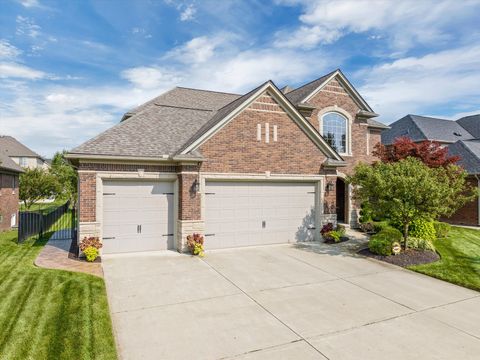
x=469, y=153
x=8, y=164
x=159, y=127
x=296, y=96
x=377, y=124
x=419, y=128
x=471, y=124
x=13, y=147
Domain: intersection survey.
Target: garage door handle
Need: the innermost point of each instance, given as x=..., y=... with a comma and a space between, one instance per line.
x=109, y=238
x=108, y=193
x=167, y=193
x=167, y=235
x=209, y=234
x=207, y=193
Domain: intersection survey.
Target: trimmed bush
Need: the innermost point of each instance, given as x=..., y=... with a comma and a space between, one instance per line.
x=419, y=244
x=422, y=229
x=381, y=243
x=441, y=229
x=91, y=253
x=380, y=225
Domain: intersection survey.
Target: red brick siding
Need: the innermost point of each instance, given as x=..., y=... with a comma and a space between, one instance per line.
x=235, y=148
x=8, y=199
x=188, y=199
x=333, y=94
x=87, y=197
x=468, y=214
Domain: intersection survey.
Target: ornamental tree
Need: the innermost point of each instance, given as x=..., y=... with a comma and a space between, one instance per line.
x=408, y=189
x=66, y=176
x=37, y=184
x=431, y=153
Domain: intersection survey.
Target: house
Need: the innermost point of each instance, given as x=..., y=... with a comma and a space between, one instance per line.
x=259, y=168
x=462, y=137
x=9, y=173
x=20, y=154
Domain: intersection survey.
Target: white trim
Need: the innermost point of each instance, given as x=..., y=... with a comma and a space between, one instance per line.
x=259, y=132
x=344, y=81
x=286, y=105
x=161, y=158
x=267, y=133
x=275, y=133
x=368, y=141
x=348, y=117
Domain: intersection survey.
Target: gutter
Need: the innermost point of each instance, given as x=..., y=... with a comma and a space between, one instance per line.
x=162, y=158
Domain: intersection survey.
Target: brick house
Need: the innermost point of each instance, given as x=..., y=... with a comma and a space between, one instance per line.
x=260, y=168
x=9, y=173
x=462, y=137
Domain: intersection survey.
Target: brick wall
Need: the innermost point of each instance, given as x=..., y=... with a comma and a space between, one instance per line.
x=235, y=147
x=468, y=214
x=87, y=197
x=188, y=199
x=8, y=199
x=333, y=94
x=127, y=167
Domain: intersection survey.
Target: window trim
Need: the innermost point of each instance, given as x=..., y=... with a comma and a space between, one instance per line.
x=348, y=120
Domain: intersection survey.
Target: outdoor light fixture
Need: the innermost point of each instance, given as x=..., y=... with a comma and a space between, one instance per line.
x=330, y=186
x=196, y=186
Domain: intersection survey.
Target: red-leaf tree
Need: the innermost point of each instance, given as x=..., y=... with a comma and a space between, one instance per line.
x=431, y=153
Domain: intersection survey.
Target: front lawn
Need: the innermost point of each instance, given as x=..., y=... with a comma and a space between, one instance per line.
x=460, y=259
x=50, y=314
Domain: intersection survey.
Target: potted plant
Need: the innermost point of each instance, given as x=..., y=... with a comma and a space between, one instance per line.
x=195, y=244
x=90, y=246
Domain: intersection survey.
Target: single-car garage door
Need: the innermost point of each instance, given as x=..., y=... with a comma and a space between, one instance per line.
x=258, y=213
x=137, y=216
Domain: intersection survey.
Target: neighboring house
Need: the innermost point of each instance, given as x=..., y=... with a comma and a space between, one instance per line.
x=241, y=169
x=462, y=138
x=20, y=154
x=9, y=173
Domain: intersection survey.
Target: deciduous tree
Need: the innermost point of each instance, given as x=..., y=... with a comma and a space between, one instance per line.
x=37, y=184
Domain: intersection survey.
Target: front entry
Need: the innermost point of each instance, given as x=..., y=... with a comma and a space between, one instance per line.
x=340, y=200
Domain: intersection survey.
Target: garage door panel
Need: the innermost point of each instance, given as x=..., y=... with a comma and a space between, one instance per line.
x=128, y=204
x=286, y=209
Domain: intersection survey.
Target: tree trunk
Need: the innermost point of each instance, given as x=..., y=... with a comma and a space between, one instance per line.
x=405, y=236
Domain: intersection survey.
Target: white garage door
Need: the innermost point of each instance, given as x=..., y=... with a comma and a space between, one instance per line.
x=258, y=213
x=137, y=216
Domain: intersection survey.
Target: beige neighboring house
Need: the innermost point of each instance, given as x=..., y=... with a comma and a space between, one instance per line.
x=22, y=155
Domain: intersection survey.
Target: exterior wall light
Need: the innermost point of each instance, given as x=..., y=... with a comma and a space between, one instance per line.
x=330, y=186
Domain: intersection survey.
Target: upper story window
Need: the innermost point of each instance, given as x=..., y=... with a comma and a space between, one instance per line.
x=334, y=130
x=23, y=162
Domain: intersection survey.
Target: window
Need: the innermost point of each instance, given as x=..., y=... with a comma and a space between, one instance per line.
x=334, y=130
x=23, y=162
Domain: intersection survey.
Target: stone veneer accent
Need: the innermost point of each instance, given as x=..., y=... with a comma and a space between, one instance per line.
x=185, y=228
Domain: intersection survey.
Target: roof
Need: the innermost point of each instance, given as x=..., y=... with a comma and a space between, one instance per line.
x=471, y=124
x=296, y=96
x=469, y=153
x=8, y=164
x=420, y=128
x=377, y=124
x=12, y=147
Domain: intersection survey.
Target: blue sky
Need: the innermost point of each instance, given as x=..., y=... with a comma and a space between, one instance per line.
x=69, y=69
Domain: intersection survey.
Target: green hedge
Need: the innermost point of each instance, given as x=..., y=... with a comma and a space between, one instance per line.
x=381, y=243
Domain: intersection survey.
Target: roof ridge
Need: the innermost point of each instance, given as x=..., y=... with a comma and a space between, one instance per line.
x=212, y=91
x=310, y=82
x=462, y=142
x=430, y=117
x=182, y=107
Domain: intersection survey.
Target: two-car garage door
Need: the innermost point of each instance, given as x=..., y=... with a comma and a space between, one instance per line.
x=258, y=213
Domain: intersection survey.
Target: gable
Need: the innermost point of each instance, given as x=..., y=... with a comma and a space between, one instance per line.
x=255, y=100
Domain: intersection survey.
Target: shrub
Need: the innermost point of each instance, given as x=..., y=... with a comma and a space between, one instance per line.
x=419, y=244
x=380, y=225
x=195, y=244
x=326, y=228
x=366, y=227
x=422, y=229
x=332, y=237
x=380, y=246
x=381, y=243
x=91, y=241
x=441, y=229
x=91, y=253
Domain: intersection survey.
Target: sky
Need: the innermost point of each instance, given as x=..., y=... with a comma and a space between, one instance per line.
x=69, y=69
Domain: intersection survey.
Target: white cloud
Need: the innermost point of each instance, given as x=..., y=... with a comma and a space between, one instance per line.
x=432, y=83
x=148, y=77
x=27, y=27
x=188, y=13
x=406, y=22
x=197, y=50
x=7, y=50
x=14, y=70
x=30, y=3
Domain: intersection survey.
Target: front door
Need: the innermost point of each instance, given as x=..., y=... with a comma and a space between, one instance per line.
x=340, y=186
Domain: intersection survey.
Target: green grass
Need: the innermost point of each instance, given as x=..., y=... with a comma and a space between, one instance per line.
x=460, y=259
x=50, y=314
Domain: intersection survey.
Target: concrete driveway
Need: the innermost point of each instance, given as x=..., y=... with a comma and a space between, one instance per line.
x=285, y=302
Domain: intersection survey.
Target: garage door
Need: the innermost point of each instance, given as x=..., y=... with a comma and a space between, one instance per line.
x=137, y=216
x=258, y=213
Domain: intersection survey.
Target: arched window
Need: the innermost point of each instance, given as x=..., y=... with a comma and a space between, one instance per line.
x=334, y=130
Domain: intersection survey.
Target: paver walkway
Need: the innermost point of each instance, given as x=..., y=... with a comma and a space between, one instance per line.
x=55, y=255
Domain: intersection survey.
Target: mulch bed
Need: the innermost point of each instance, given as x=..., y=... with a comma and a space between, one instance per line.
x=73, y=253
x=405, y=258
x=342, y=239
